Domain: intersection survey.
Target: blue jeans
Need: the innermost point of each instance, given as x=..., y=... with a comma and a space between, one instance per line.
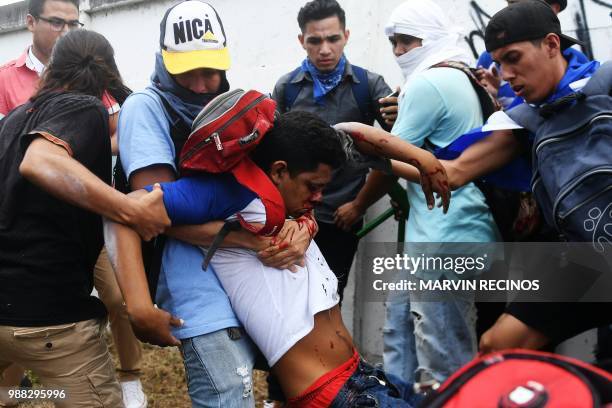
x=371, y=387
x=431, y=338
x=219, y=369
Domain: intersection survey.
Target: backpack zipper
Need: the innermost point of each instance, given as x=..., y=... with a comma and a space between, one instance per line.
x=215, y=135
x=214, y=104
x=565, y=191
x=571, y=134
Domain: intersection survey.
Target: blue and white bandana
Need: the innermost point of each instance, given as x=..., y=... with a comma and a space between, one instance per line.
x=324, y=82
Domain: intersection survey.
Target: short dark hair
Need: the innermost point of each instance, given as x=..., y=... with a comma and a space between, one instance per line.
x=83, y=62
x=301, y=139
x=35, y=7
x=318, y=10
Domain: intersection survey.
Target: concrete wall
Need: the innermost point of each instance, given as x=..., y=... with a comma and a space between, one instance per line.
x=262, y=37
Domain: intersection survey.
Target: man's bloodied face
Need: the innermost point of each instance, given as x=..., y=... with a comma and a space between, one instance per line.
x=302, y=191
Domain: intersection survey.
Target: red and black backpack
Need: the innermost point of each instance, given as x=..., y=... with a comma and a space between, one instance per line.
x=524, y=379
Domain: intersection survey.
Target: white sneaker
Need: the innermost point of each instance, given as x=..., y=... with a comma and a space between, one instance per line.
x=133, y=396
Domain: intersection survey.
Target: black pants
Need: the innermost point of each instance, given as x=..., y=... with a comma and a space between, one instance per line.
x=338, y=248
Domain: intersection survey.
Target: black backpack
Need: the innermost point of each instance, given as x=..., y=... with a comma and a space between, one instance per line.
x=572, y=160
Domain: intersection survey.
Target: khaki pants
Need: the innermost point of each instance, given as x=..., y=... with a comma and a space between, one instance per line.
x=73, y=357
x=128, y=347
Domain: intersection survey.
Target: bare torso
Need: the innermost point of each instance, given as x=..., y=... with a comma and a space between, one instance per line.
x=326, y=347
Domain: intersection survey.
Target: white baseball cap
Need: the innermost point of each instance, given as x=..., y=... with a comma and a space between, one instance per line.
x=192, y=37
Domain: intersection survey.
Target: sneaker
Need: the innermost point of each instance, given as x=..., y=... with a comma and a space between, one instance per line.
x=133, y=396
x=273, y=404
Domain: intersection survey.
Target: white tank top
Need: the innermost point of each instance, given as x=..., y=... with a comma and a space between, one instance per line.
x=276, y=307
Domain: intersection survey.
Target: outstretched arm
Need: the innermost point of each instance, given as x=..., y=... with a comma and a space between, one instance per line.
x=478, y=160
x=374, y=141
x=50, y=167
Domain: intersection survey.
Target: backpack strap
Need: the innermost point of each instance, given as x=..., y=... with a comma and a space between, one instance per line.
x=361, y=93
x=360, y=89
x=488, y=104
x=598, y=84
x=601, y=81
x=527, y=116
x=252, y=177
x=292, y=89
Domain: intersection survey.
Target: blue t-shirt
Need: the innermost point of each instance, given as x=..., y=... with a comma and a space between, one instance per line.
x=184, y=289
x=205, y=197
x=438, y=106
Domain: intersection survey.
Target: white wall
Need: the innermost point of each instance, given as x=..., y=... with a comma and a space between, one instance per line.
x=262, y=37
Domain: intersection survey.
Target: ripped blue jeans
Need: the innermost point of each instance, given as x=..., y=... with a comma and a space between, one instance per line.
x=219, y=369
x=371, y=387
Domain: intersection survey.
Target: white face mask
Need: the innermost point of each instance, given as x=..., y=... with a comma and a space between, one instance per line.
x=410, y=60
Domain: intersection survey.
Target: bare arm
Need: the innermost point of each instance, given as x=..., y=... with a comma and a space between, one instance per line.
x=50, y=167
x=150, y=324
x=483, y=157
x=476, y=161
x=374, y=141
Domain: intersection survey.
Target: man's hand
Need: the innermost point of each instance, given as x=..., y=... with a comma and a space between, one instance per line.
x=152, y=325
x=398, y=212
x=508, y=332
x=149, y=218
x=290, y=245
x=388, y=108
x=348, y=214
x=490, y=79
x=433, y=179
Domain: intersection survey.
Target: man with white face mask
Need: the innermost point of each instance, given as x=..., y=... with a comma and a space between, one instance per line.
x=438, y=103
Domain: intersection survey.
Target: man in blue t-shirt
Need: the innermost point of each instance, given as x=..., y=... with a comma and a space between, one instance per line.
x=153, y=127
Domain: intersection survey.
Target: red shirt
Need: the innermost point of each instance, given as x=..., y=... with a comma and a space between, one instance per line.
x=18, y=83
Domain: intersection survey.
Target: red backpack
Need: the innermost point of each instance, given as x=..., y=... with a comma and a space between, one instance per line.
x=223, y=134
x=525, y=379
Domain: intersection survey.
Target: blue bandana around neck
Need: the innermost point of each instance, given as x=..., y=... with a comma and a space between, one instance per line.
x=576, y=70
x=323, y=83
x=185, y=103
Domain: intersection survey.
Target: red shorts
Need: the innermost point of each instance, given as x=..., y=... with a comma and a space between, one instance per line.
x=322, y=393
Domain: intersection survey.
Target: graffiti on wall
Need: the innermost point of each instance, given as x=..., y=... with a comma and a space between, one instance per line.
x=480, y=18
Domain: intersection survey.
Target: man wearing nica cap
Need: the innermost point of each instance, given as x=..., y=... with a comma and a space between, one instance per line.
x=194, y=312
x=525, y=40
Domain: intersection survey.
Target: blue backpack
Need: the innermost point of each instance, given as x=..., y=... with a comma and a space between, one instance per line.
x=361, y=93
x=572, y=160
